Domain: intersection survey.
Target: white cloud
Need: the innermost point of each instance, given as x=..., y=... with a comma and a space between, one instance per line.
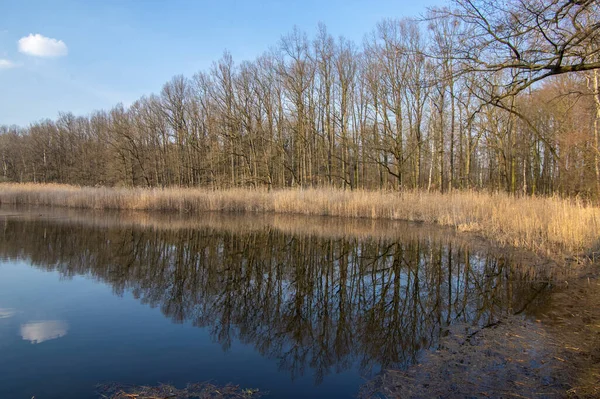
x=41, y=46
x=41, y=331
x=6, y=64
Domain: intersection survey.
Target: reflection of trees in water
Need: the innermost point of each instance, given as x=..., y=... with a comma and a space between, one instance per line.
x=308, y=301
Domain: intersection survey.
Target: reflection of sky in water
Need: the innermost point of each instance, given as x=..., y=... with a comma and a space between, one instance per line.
x=295, y=315
x=6, y=313
x=41, y=331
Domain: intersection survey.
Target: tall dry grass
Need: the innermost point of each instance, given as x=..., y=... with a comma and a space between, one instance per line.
x=549, y=226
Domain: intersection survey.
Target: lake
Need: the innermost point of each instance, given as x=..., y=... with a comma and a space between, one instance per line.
x=298, y=307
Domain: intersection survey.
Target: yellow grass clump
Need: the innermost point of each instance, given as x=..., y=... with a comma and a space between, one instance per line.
x=549, y=226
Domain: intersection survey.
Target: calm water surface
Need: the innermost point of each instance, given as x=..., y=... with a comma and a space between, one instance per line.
x=296, y=312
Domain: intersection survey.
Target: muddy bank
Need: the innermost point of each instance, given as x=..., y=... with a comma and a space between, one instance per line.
x=573, y=321
x=555, y=354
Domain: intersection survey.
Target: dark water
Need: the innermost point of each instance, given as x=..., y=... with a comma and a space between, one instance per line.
x=296, y=312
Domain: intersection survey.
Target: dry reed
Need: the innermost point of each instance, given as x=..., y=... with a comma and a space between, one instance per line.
x=549, y=226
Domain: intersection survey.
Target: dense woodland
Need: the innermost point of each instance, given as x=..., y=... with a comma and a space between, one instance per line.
x=438, y=103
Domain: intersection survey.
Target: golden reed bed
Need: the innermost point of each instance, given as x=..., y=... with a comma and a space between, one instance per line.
x=548, y=226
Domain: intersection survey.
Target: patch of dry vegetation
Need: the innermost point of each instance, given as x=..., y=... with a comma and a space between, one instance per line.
x=203, y=390
x=549, y=226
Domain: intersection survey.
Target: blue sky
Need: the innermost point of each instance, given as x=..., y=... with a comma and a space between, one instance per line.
x=93, y=54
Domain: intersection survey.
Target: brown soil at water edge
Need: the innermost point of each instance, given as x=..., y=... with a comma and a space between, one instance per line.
x=574, y=321
x=555, y=355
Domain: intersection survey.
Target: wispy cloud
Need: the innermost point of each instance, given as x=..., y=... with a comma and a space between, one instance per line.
x=6, y=313
x=6, y=64
x=42, y=46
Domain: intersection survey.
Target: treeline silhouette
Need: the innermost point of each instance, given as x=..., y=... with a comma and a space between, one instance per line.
x=396, y=111
x=313, y=302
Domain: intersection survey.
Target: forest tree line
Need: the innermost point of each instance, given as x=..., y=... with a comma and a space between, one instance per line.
x=400, y=110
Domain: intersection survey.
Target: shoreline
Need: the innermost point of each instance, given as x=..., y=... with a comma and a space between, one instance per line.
x=549, y=226
x=557, y=354
x=329, y=227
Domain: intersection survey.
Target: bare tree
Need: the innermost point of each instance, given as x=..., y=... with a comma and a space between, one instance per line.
x=439, y=108
x=535, y=39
